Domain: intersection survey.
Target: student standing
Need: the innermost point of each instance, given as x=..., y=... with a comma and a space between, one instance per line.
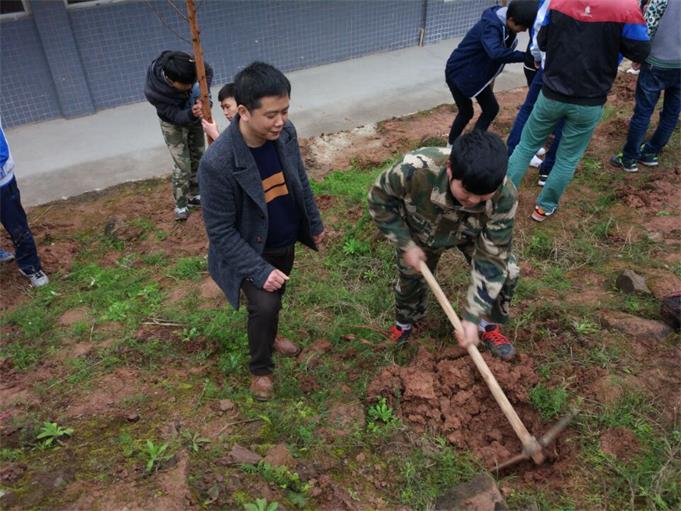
x=480, y=57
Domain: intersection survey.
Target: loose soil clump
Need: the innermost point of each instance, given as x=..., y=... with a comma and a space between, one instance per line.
x=447, y=396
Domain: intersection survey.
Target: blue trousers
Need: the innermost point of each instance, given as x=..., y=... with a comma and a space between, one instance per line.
x=651, y=82
x=15, y=222
x=524, y=114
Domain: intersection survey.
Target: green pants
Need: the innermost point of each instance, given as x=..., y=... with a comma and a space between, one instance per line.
x=186, y=145
x=411, y=289
x=580, y=122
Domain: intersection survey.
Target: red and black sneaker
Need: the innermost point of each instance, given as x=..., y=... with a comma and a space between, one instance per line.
x=497, y=343
x=398, y=335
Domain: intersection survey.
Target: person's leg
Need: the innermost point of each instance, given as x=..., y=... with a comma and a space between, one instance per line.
x=648, y=89
x=196, y=142
x=464, y=114
x=525, y=111
x=550, y=158
x=545, y=114
x=263, y=314
x=411, y=290
x=490, y=108
x=669, y=116
x=580, y=123
x=176, y=140
x=14, y=220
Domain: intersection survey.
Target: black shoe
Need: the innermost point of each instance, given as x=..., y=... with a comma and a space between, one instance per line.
x=194, y=201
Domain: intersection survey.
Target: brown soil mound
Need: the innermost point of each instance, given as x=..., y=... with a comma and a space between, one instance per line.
x=445, y=394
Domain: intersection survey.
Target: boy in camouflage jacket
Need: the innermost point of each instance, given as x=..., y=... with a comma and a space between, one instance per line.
x=432, y=201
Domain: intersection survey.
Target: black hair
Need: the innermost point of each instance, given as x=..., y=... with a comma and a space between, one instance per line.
x=179, y=66
x=227, y=91
x=523, y=12
x=257, y=81
x=479, y=159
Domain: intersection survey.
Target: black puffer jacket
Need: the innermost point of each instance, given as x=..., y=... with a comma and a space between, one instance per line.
x=172, y=105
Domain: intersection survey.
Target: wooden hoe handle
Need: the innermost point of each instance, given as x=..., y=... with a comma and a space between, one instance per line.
x=531, y=446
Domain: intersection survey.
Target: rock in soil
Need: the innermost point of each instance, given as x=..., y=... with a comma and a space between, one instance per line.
x=240, y=454
x=479, y=494
x=636, y=327
x=631, y=282
x=670, y=310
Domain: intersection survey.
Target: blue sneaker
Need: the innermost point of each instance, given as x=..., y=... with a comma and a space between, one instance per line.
x=6, y=257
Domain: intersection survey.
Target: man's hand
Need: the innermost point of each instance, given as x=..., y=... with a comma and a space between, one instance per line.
x=468, y=336
x=318, y=238
x=275, y=281
x=197, y=109
x=413, y=257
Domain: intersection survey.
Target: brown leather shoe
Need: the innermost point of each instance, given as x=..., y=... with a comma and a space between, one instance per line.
x=262, y=387
x=285, y=347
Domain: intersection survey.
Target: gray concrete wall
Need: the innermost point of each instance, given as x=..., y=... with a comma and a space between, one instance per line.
x=97, y=55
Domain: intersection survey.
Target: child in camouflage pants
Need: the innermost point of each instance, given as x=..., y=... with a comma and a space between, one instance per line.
x=434, y=200
x=171, y=87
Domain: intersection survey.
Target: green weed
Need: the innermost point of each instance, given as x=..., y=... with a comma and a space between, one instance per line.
x=51, y=432
x=194, y=440
x=155, y=455
x=189, y=268
x=261, y=505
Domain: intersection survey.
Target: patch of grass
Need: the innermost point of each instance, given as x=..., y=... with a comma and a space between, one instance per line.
x=422, y=478
x=549, y=402
x=351, y=184
x=189, y=268
x=540, y=245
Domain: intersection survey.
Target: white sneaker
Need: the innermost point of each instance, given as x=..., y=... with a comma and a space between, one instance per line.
x=37, y=279
x=541, y=151
x=536, y=161
x=181, y=214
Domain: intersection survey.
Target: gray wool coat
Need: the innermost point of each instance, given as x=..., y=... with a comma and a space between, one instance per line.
x=235, y=212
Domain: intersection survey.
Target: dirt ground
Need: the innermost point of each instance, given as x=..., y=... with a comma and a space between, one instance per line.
x=440, y=392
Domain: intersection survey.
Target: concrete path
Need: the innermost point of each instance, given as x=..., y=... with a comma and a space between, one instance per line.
x=62, y=158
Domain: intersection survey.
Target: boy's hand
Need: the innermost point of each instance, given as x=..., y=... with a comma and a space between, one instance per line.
x=275, y=281
x=210, y=128
x=413, y=257
x=468, y=336
x=318, y=238
x=197, y=109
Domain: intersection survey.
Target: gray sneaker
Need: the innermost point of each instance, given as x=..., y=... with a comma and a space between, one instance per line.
x=181, y=214
x=38, y=278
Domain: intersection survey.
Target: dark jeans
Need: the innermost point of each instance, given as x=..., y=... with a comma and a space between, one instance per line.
x=488, y=104
x=14, y=220
x=521, y=119
x=263, y=312
x=651, y=82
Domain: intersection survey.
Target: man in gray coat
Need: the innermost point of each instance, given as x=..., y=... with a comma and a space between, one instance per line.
x=257, y=203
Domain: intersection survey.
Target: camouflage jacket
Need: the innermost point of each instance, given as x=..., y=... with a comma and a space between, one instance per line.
x=412, y=204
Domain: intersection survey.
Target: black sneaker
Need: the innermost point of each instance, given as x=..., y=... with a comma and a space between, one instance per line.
x=648, y=159
x=542, y=179
x=624, y=163
x=194, y=201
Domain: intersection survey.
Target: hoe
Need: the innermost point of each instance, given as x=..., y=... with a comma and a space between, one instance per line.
x=532, y=448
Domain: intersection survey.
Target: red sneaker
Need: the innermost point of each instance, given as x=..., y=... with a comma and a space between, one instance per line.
x=497, y=343
x=398, y=335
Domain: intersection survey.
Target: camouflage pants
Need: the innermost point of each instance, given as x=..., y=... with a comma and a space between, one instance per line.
x=186, y=145
x=411, y=289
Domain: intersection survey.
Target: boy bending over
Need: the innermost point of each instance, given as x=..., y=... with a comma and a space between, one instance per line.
x=434, y=200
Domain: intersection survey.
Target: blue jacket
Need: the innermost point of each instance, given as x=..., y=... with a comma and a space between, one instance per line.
x=6, y=161
x=235, y=212
x=482, y=53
